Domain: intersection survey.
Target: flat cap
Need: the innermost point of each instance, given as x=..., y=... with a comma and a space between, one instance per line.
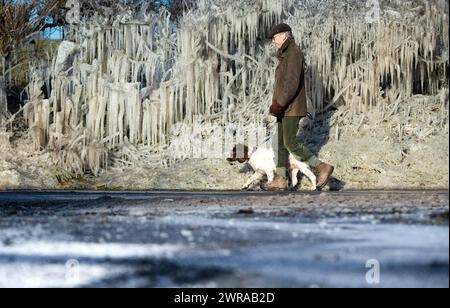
x=280, y=28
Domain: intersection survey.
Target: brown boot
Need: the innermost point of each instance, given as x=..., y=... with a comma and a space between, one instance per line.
x=323, y=173
x=278, y=183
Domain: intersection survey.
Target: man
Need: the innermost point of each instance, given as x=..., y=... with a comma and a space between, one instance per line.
x=289, y=106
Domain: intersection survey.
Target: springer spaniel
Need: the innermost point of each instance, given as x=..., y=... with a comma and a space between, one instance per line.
x=262, y=161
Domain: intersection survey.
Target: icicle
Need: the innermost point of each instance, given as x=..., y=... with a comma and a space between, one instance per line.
x=184, y=77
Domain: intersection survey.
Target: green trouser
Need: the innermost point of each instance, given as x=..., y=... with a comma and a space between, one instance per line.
x=287, y=143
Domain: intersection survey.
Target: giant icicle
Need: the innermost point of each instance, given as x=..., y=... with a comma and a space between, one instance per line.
x=125, y=86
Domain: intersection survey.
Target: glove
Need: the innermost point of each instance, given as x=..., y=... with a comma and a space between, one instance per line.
x=276, y=109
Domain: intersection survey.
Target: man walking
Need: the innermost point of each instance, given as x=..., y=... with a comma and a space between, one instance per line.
x=289, y=106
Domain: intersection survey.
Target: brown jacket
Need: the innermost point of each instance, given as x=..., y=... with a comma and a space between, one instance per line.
x=289, y=88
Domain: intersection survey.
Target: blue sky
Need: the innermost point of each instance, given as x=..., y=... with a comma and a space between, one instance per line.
x=56, y=33
x=52, y=33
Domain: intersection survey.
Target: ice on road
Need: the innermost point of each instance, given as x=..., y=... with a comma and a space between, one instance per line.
x=203, y=239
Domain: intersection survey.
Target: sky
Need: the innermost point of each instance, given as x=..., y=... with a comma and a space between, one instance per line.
x=56, y=33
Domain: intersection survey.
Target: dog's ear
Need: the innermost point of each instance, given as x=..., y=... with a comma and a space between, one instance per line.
x=246, y=168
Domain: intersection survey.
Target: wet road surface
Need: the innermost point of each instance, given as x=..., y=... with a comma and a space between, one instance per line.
x=224, y=239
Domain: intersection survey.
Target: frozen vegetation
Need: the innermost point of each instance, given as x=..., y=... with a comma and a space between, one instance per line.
x=131, y=92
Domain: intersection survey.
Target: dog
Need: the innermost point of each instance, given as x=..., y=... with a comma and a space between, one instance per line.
x=262, y=161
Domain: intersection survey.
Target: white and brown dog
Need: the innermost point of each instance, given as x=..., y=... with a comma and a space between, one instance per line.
x=262, y=161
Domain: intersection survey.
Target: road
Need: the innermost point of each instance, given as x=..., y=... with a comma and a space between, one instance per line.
x=224, y=239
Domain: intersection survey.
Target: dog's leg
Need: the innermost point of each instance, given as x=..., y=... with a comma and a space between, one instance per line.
x=255, y=177
x=294, y=178
x=270, y=175
x=304, y=168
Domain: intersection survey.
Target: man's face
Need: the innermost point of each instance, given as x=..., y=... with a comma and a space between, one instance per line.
x=279, y=39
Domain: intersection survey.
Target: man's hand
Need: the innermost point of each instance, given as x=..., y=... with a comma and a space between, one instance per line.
x=276, y=109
